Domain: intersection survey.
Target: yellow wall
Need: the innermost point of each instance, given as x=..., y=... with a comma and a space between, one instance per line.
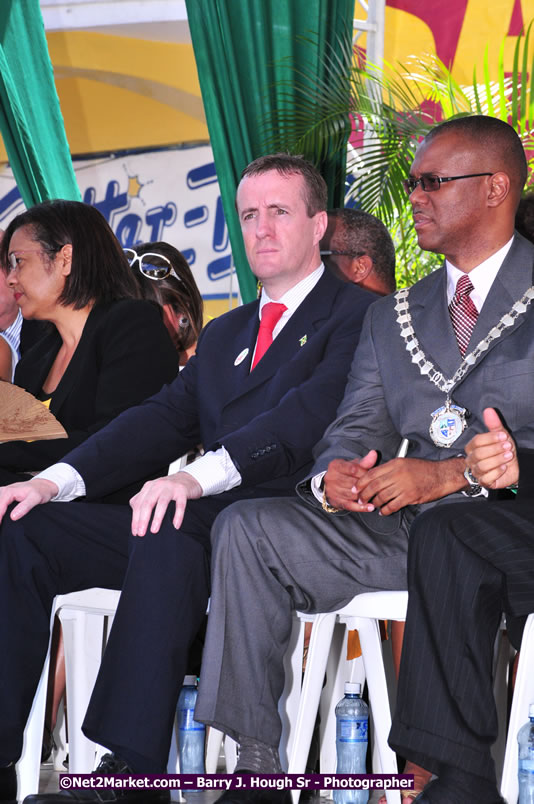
x=116, y=92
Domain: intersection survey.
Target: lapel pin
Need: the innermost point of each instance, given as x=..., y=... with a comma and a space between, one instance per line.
x=303, y=340
x=241, y=356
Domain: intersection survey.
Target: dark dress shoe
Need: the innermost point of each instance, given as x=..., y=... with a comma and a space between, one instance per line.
x=8, y=784
x=109, y=765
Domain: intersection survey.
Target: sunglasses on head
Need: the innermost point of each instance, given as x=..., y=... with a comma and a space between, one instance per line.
x=151, y=265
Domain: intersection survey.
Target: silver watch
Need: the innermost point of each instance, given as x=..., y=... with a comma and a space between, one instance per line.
x=475, y=489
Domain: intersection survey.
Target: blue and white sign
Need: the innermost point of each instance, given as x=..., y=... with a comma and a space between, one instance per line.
x=169, y=194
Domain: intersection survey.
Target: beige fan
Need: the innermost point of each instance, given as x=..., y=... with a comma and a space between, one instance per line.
x=24, y=418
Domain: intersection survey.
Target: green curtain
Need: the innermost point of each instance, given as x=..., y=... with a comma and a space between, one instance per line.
x=30, y=117
x=249, y=55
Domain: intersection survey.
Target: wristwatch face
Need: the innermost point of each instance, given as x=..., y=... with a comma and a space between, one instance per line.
x=474, y=486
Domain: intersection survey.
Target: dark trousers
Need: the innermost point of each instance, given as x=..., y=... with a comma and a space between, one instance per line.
x=466, y=565
x=164, y=577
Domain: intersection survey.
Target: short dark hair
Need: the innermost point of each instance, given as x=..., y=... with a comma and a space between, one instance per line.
x=315, y=189
x=362, y=233
x=99, y=272
x=494, y=137
x=182, y=294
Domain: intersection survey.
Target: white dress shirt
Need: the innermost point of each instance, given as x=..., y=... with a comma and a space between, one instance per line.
x=215, y=470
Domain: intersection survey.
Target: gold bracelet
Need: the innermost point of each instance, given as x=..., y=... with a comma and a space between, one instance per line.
x=328, y=508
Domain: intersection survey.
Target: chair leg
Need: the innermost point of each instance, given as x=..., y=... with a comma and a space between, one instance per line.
x=29, y=764
x=371, y=643
x=83, y=635
x=321, y=638
x=288, y=705
x=338, y=671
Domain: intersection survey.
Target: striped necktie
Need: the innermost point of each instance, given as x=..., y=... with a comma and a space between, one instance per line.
x=463, y=313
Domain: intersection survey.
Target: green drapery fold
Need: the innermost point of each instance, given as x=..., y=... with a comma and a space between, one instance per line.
x=30, y=117
x=249, y=54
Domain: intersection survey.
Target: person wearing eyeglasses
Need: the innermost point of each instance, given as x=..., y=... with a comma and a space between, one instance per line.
x=104, y=350
x=427, y=364
x=262, y=386
x=164, y=277
x=358, y=248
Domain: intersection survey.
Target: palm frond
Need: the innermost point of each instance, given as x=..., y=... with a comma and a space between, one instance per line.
x=387, y=110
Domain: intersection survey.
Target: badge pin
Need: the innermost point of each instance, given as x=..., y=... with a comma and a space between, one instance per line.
x=303, y=340
x=241, y=356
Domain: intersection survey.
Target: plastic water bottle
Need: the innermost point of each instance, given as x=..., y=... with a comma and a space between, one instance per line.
x=352, y=719
x=191, y=734
x=525, y=738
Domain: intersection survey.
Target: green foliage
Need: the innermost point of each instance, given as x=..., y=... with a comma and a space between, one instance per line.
x=393, y=108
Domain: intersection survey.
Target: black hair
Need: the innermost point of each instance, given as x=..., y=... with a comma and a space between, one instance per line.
x=99, y=272
x=497, y=140
x=362, y=233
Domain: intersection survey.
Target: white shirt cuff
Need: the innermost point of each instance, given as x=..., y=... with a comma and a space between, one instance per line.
x=67, y=479
x=215, y=471
x=315, y=484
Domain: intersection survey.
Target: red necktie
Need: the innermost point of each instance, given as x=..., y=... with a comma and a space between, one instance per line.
x=270, y=316
x=463, y=313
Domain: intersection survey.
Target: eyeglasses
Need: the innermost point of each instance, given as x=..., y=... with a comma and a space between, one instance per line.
x=153, y=266
x=13, y=256
x=342, y=254
x=432, y=183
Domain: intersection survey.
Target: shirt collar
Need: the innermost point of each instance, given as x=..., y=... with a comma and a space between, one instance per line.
x=293, y=297
x=482, y=277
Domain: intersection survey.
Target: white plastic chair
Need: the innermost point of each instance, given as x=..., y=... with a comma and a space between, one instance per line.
x=523, y=697
x=86, y=619
x=363, y=613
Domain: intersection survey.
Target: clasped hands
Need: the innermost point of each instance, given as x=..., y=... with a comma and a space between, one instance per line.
x=361, y=486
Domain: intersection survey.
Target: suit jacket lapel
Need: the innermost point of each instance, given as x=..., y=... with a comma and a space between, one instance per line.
x=304, y=321
x=515, y=276
x=432, y=324
x=71, y=377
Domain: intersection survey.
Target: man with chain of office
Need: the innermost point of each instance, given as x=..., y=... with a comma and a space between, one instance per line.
x=429, y=361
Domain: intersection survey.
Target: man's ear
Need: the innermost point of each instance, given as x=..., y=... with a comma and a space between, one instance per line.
x=361, y=267
x=499, y=188
x=321, y=222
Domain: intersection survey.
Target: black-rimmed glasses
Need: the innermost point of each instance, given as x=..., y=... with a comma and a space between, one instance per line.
x=432, y=183
x=151, y=265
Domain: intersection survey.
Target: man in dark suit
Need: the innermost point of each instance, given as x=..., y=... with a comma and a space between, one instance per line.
x=257, y=409
x=465, y=567
x=413, y=379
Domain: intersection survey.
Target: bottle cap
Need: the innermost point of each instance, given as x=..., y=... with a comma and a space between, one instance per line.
x=352, y=688
x=531, y=710
x=190, y=681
